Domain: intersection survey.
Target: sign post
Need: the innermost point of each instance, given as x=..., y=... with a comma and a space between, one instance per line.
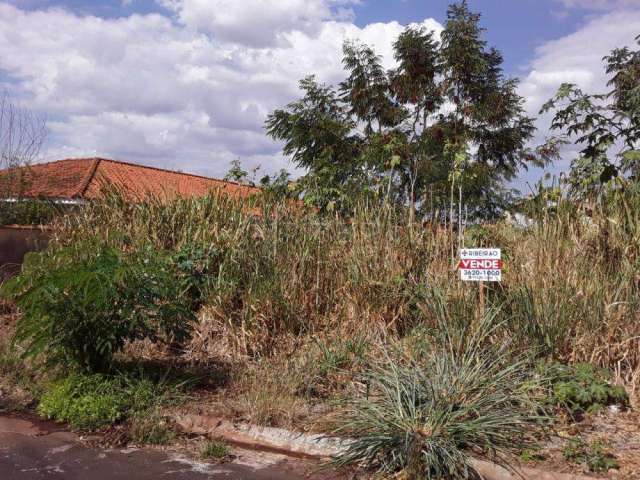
x=480, y=265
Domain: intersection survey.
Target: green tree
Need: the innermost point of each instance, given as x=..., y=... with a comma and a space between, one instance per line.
x=605, y=126
x=444, y=118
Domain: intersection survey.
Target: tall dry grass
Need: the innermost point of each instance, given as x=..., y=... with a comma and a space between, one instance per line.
x=276, y=277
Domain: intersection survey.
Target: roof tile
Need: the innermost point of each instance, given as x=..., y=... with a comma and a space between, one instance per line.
x=87, y=178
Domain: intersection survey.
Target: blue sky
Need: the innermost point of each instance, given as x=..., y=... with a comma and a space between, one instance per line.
x=187, y=83
x=517, y=27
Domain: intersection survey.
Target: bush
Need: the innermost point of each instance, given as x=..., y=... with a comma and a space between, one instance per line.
x=591, y=455
x=94, y=401
x=581, y=388
x=90, y=402
x=80, y=304
x=30, y=212
x=424, y=418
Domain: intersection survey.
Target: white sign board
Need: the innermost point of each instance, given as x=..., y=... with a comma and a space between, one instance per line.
x=480, y=265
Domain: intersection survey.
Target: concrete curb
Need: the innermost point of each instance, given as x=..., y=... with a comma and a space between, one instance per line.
x=319, y=447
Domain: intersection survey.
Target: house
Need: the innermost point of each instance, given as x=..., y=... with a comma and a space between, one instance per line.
x=75, y=181
x=80, y=179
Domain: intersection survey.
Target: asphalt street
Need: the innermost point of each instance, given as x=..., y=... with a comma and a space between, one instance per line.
x=30, y=449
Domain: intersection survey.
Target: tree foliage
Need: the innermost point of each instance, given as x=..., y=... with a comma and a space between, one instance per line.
x=605, y=126
x=444, y=117
x=81, y=304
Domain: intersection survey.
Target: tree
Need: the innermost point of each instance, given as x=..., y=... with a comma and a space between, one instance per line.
x=605, y=126
x=22, y=134
x=444, y=118
x=236, y=173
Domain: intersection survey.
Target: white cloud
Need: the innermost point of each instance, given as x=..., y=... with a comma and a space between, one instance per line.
x=256, y=22
x=147, y=88
x=576, y=58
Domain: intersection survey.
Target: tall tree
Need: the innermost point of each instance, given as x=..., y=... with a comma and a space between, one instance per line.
x=444, y=117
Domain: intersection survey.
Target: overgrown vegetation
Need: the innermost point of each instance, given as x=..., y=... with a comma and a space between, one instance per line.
x=91, y=402
x=363, y=314
x=582, y=388
x=305, y=305
x=420, y=417
x=29, y=212
x=594, y=456
x=80, y=305
x=214, y=450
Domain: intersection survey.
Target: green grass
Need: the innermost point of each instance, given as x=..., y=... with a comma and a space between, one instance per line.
x=214, y=450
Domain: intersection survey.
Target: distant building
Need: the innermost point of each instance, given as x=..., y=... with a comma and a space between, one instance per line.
x=80, y=179
x=75, y=181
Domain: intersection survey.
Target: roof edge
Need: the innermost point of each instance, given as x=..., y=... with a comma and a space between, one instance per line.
x=140, y=165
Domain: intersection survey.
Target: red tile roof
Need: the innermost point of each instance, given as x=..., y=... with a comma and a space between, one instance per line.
x=85, y=178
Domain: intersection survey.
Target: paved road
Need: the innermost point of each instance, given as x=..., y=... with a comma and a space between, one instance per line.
x=33, y=450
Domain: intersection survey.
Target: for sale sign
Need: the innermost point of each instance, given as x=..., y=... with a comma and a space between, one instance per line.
x=480, y=265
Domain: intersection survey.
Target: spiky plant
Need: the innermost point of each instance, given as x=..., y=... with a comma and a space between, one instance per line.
x=428, y=420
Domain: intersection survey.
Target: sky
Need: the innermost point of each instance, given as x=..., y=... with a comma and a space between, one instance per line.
x=187, y=84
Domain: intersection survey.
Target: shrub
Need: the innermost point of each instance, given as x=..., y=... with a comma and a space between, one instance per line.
x=90, y=402
x=581, y=388
x=30, y=212
x=424, y=418
x=80, y=304
x=592, y=455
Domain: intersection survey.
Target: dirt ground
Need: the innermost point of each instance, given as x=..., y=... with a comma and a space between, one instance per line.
x=619, y=432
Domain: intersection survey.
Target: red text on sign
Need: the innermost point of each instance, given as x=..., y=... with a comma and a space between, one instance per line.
x=480, y=264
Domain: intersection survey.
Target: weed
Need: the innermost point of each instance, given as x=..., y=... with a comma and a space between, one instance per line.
x=87, y=403
x=91, y=402
x=581, y=388
x=268, y=393
x=532, y=455
x=332, y=367
x=214, y=450
x=149, y=428
x=592, y=455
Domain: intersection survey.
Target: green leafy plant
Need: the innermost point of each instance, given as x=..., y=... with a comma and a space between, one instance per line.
x=30, y=212
x=94, y=401
x=383, y=134
x=90, y=401
x=532, y=455
x=582, y=387
x=80, y=304
x=592, y=455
